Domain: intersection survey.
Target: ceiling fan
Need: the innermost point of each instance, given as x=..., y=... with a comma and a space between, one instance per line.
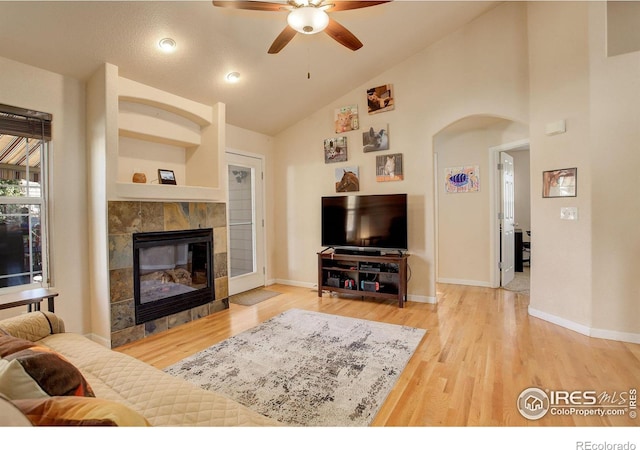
x=307, y=17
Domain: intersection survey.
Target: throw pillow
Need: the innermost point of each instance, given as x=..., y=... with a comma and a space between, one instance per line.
x=88, y=411
x=28, y=370
x=10, y=344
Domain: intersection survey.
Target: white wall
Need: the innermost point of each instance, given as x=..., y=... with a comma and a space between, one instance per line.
x=63, y=97
x=481, y=69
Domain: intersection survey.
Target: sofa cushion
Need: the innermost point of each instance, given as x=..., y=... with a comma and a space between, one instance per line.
x=32, y=326
x=29, y=370
x=88, y=411
x=163, y=399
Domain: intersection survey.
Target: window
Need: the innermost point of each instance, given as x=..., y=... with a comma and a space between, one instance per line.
x=24, y=142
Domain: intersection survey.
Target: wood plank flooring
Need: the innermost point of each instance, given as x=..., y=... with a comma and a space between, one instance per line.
x=481, y=351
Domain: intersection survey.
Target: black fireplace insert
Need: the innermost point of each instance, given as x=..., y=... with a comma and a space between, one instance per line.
x=172, y=272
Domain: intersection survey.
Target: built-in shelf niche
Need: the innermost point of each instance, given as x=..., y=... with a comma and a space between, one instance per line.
x=158, y=130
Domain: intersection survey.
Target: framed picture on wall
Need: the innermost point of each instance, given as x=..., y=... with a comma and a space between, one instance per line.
x=389, y=167
x=559, y=183
x=346, y=118
x=380, y=99
x=375, y=138
x=335, y=149
x=462, y=179
x=347, y=179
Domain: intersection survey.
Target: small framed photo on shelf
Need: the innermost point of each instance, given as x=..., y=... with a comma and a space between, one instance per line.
x=166, y=176
x=559, y=183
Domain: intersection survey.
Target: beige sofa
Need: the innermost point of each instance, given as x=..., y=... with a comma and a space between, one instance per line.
x=160, y=398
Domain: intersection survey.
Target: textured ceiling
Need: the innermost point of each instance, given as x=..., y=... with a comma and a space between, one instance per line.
x=74, y=38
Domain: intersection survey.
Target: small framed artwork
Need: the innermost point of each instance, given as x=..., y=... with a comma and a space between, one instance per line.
x=375, y=138
x=380, y=99
x=559, y=183
x=389, y=167
x=166, y=176
x=346, y=119
x=461, y=179
x=335, y=149
x=347, y=179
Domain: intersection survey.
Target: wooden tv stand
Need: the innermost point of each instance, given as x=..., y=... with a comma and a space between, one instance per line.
x=357, y=274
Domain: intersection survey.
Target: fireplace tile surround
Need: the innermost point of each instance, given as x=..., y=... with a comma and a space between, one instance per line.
x=128, y=217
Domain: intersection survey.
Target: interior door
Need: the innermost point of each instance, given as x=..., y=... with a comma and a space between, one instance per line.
x=507, y=223
x=246, y=224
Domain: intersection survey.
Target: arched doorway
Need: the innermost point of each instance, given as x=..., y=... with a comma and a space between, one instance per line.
x=467, y=225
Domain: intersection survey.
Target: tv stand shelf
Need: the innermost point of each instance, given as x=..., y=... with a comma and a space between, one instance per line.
x=383, y=277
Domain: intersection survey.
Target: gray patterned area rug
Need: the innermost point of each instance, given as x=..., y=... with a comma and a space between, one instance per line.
x=305, y=368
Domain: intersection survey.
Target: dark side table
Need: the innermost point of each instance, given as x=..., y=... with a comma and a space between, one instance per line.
x=32, y=298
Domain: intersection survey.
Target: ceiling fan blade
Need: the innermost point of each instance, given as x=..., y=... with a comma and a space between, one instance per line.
x=250, y=5
x=336, y=5
x=283, y=39
x=342, y=35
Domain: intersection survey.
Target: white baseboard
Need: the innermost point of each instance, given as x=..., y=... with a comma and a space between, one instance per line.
x=622, y=336
x=464, y=282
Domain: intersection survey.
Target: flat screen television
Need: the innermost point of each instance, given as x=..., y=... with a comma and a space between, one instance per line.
x=365, y=222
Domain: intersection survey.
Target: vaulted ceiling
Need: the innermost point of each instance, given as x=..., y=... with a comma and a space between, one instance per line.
x=274, y=92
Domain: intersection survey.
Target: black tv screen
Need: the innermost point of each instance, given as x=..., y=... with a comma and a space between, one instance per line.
x=365, y=221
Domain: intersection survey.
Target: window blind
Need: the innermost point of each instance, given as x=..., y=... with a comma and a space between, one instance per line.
x=25, y=123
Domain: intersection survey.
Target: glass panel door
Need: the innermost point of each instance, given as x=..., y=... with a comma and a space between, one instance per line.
x=246, y=241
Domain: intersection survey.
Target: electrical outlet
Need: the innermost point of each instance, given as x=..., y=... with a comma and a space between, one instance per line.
x=569, y=213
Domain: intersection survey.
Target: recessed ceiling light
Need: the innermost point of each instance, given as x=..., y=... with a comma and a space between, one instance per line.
x=233, y=77
x=167, y=45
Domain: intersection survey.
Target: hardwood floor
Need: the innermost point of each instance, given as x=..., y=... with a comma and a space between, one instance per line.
x=480, y=352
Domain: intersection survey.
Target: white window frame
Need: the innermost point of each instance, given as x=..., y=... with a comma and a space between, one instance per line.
x=42, y=202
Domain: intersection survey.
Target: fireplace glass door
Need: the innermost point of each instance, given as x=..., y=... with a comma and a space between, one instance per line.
x=173, y=272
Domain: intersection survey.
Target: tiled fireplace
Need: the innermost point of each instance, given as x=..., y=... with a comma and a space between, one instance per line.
x=127, y=218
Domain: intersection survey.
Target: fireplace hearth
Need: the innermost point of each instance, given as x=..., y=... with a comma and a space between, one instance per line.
x=172, y=272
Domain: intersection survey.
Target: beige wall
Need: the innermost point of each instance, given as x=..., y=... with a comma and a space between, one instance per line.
x=479, y=70
x=559, y=79
x=615, y=154
x=28, y=87
x=586, y=271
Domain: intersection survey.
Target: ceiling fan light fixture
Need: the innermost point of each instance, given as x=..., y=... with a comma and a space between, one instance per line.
x=308, y=19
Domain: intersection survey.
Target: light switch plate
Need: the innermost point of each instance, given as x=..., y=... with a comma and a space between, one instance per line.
x=569, y=213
